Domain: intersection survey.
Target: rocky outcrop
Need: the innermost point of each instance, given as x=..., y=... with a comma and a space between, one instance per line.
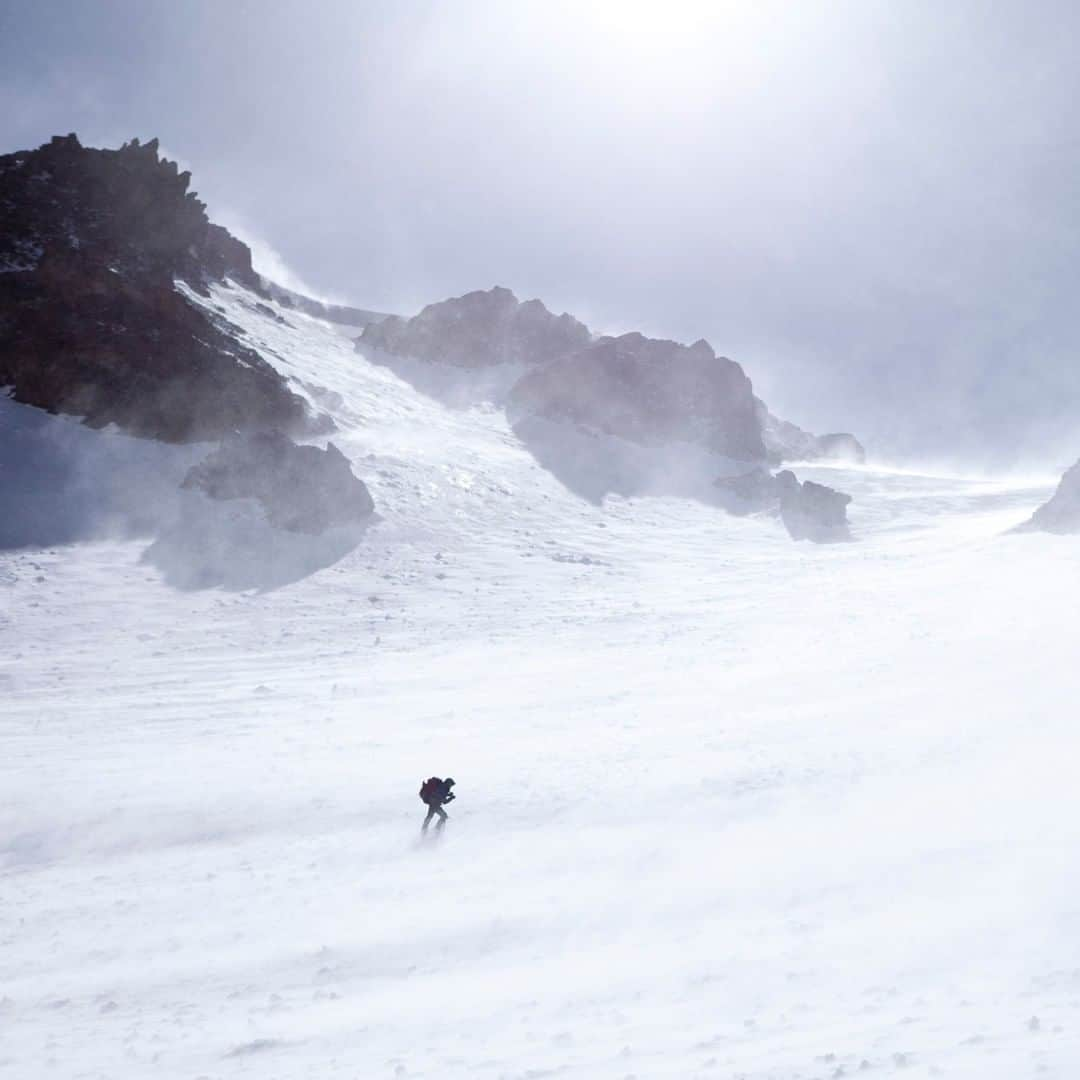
x=477, y=330
x=92, y=243
x=302, y=489
x=785, y=441
x=128, y=208
x=812, y=511
x=649, y=392
x=1061, y=512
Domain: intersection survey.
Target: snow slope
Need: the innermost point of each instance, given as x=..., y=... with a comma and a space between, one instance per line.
x=729, y=806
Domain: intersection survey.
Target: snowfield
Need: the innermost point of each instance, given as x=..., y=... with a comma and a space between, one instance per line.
x=729, y=806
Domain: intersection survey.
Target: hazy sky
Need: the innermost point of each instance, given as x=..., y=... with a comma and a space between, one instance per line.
x=872, y=205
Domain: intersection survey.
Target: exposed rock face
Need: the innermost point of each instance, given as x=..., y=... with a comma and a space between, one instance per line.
x=302, y=489
x=1061, y=512
x=91, y=323
x=785, y=441
x=649, y=392
x=812, y=511
x=478, y=330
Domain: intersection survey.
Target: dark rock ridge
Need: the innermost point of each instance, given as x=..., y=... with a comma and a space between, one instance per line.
x=1061, y=512
x=478, y=330
x=785, y=441
x=302, y=489
x=809, y=511
x=92, y=243
x=649, y=392
x=335, y=313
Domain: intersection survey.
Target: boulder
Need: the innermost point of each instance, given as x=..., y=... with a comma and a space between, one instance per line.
x=649, y=392
x=302, y=489
x=477, y=330
x=812, y=511
x=92, y=244
x=809, y=511
x=748, y=492
x=1061, y=512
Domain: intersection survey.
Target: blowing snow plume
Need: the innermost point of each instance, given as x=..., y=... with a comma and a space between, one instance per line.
x=62, y=483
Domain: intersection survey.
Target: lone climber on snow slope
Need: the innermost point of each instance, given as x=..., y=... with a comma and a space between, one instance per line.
x=435, y=793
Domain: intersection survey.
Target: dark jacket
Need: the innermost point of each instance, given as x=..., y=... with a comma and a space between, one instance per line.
x=438, y=791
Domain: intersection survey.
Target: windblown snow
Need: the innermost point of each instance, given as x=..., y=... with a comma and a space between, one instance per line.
x=729, y=806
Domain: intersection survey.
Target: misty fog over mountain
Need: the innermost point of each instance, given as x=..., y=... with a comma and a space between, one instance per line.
x=868, y=203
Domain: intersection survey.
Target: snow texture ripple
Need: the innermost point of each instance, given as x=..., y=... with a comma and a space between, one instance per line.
x=729, y=806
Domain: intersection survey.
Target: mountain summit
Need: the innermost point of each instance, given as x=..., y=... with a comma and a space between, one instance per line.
x=96, y=249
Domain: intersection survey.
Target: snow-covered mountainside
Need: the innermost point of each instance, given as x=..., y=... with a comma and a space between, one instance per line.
x=728, y=805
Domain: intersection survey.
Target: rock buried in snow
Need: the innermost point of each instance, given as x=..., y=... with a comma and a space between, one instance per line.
x=812, y=511
x=1061, y=512
x=302, y=489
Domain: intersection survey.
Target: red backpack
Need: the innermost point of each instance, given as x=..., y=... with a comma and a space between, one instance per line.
x=430, y=789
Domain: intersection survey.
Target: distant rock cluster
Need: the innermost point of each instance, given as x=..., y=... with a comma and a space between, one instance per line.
x=1060, y=513
x=592, y=409
x=809, y=511
x=645, y=390
x=92, y=243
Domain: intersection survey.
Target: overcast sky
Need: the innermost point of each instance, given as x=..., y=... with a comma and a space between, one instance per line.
x=872, y=205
